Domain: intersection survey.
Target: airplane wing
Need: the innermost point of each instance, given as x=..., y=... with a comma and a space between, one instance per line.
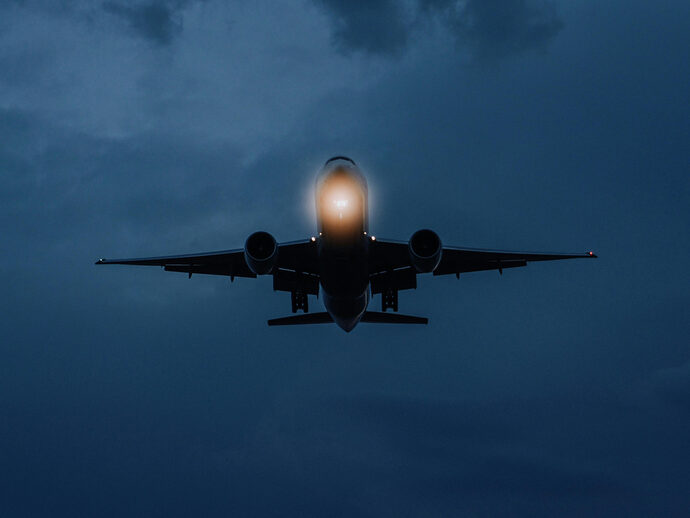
x=393, y=255
x=295, y=256
x=461, y=260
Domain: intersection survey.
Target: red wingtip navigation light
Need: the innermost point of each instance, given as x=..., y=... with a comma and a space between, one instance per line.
x=591, y=253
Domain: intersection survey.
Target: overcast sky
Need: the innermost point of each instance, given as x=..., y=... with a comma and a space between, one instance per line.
x=162, y=127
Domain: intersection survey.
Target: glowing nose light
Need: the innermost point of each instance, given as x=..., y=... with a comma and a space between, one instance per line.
x=341, y=204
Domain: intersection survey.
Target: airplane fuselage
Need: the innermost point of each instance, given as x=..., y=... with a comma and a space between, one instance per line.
x=343, y=245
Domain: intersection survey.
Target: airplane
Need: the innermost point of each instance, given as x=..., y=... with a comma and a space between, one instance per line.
x=344, y=261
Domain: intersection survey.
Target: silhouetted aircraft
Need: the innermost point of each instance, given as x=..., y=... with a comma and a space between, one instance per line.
x=347, y=263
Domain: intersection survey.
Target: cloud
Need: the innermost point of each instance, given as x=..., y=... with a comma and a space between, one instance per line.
x=58, y=174
x=375, y=26
x=487, y=29
x=156, y=21
x=428, y=453
x=503, y=406
x=495, y=29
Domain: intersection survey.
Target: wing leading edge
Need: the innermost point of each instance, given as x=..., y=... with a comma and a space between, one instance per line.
x=389, y=256
x=462, y=260
x=297, y=256
x=224, y=262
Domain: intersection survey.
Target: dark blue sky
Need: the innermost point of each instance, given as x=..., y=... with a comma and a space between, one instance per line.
x=146, y=128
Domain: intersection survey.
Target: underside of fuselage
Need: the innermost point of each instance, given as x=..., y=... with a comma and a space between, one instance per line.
x=343, y=243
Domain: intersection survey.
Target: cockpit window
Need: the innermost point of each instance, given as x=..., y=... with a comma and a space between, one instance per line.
x=339, y=158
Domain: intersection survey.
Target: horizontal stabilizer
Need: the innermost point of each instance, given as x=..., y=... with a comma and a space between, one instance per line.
x=375, y=317
x=371, y=317
x=307, y=318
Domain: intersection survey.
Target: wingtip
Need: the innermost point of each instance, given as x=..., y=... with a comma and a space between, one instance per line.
x=592, y=254
x=100, y=260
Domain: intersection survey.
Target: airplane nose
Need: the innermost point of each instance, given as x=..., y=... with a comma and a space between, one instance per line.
x=339, y=159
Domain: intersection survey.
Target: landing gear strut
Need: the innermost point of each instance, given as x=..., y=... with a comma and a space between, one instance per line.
x=300, y=300
x=389, y=299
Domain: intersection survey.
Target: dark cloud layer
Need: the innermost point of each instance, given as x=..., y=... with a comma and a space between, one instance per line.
x=374, y=26
x=555, y=390
x=494, y=29
x=487, y=29
x=157, y=21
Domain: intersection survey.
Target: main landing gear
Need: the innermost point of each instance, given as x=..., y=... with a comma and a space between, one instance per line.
x=389, y=299
x=300, y=300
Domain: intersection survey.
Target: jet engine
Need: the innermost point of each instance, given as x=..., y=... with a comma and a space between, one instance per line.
x=425, y=250
x=261, y=252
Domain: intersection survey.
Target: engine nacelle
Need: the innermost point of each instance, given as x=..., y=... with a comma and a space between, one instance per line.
x=425, y=250
x=261, y=252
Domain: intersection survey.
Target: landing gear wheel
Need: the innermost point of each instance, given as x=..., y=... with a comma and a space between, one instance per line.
x=300, y=301
x=389, y=299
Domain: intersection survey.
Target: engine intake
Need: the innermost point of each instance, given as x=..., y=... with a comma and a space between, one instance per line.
x=261, y=252
x=425, y=250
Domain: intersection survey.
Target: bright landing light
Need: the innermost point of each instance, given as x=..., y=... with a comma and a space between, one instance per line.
x=340, y=202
